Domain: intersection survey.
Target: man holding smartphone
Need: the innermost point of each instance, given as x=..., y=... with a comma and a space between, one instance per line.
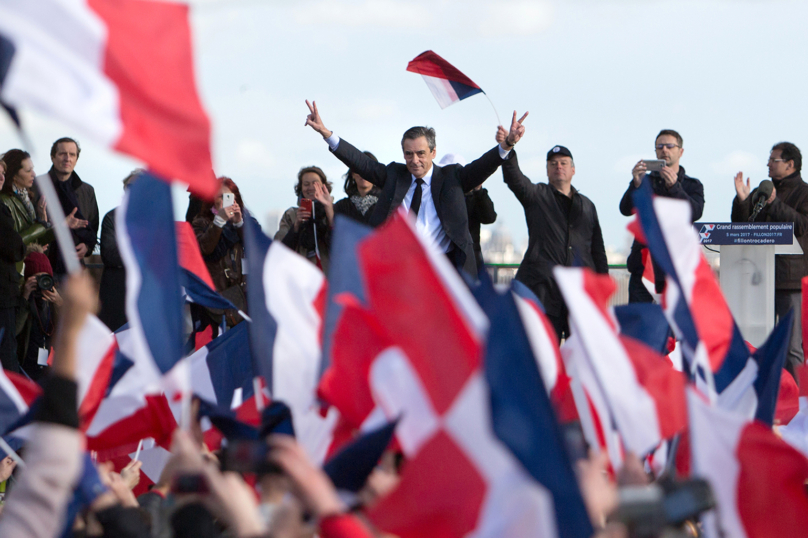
x=667, y=179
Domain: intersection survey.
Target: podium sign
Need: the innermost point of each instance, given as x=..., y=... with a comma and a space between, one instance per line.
x=745, y=233
x=747, y=269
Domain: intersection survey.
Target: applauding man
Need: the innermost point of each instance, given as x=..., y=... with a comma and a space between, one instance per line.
x=434, y=196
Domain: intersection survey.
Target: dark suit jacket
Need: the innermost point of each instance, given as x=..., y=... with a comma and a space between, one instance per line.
x=449, y=185
x=12, y=250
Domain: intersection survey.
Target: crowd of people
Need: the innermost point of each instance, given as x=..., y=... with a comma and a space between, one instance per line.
x=43, y=309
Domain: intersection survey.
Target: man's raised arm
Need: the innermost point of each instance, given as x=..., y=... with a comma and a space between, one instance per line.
x=477, y=171
x=345, y=152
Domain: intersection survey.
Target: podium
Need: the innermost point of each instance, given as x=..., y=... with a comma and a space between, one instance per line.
x=747, y=269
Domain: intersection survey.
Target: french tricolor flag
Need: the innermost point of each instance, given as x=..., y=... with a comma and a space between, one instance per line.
x=757, y=478
x=445, y=81
x=119, y=71
x=644, y=392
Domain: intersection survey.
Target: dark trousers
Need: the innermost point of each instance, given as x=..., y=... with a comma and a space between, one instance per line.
x=785, y=300
x=8, y=343
x=637, y=292
x=561, y=325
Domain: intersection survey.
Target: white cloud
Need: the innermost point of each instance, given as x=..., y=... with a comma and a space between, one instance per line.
x=376, y=109
x=514, y=18
x=738, y=161
x=624, y=165
x=376, y=13
x=252, y=154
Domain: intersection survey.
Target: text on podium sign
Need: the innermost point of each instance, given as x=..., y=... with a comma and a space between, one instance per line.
x=745, y=233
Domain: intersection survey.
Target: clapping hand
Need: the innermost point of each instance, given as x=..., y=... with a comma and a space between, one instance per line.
x=742, y=189
x=315, y=121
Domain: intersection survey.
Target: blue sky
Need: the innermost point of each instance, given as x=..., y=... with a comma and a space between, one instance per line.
x=600, y=77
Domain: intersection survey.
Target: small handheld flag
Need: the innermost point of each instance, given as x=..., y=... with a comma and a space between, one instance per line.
x=444, y=80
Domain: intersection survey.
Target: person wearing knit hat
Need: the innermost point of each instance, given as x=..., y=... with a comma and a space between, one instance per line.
x=36, y=316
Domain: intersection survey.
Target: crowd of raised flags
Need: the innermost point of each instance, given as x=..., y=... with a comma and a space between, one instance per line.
x=465, y=376
x=461, y=379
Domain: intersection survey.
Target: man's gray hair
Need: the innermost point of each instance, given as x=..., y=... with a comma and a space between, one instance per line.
x=417, y=132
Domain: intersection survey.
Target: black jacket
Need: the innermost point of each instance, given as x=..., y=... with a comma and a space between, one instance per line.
x=790, y=205
x=449, y=185
x=686, y=188
x=480, y=208
x=112, y=293
x=553, y=237
x=12, y=250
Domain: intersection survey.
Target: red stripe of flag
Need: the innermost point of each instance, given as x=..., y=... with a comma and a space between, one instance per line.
x=430, y=64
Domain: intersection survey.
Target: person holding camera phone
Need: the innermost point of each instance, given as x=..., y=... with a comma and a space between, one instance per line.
x=36, y=317
x=219, y=230
x=668, y=178
x=306, y=229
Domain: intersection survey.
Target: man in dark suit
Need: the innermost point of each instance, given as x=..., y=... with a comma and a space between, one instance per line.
x=433, y=195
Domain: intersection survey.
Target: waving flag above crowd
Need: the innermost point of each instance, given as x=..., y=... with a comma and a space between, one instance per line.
x=286, y=296
x=758, y=479
x=694, y=304
x=119, y=71
x=459, y=477
x=444, y=80
x=643, y=391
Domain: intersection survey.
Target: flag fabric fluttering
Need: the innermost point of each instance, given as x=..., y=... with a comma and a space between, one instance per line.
x=693, y=301
x=77, y=62
x=286, y=296
x=758, y=479
x=643, y=391
x=459, y=477
x=444, y=80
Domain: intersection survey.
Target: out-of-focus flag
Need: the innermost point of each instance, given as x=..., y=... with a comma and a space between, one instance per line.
x=286, y=297
x=693, y=302
x=758, y=479
x=644, y=392
x=444, y=80
x=119, y=71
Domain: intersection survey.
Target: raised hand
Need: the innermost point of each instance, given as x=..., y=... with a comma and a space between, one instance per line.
x=638, y=172
x=322, y=195
x=501, y=134
x=742, y=189
x=517, y=131
x=669, y=177
x=315, y=121
x=73, y=222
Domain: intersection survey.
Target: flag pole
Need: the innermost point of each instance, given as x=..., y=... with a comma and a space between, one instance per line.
x=10, y=452
x=499, y=121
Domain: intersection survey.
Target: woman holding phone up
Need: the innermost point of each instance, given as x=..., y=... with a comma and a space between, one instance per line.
x=219, y=229
x=306, y=229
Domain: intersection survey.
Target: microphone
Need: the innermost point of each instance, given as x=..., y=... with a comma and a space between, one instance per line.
x=762, y=194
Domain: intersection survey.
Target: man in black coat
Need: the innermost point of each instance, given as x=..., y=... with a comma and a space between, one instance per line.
x=563, y=229
x=787, y=203
x=434, y=195
x=671, y=182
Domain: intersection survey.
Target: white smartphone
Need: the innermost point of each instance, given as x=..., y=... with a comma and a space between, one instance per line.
x=227, y=199
x=654, y=165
